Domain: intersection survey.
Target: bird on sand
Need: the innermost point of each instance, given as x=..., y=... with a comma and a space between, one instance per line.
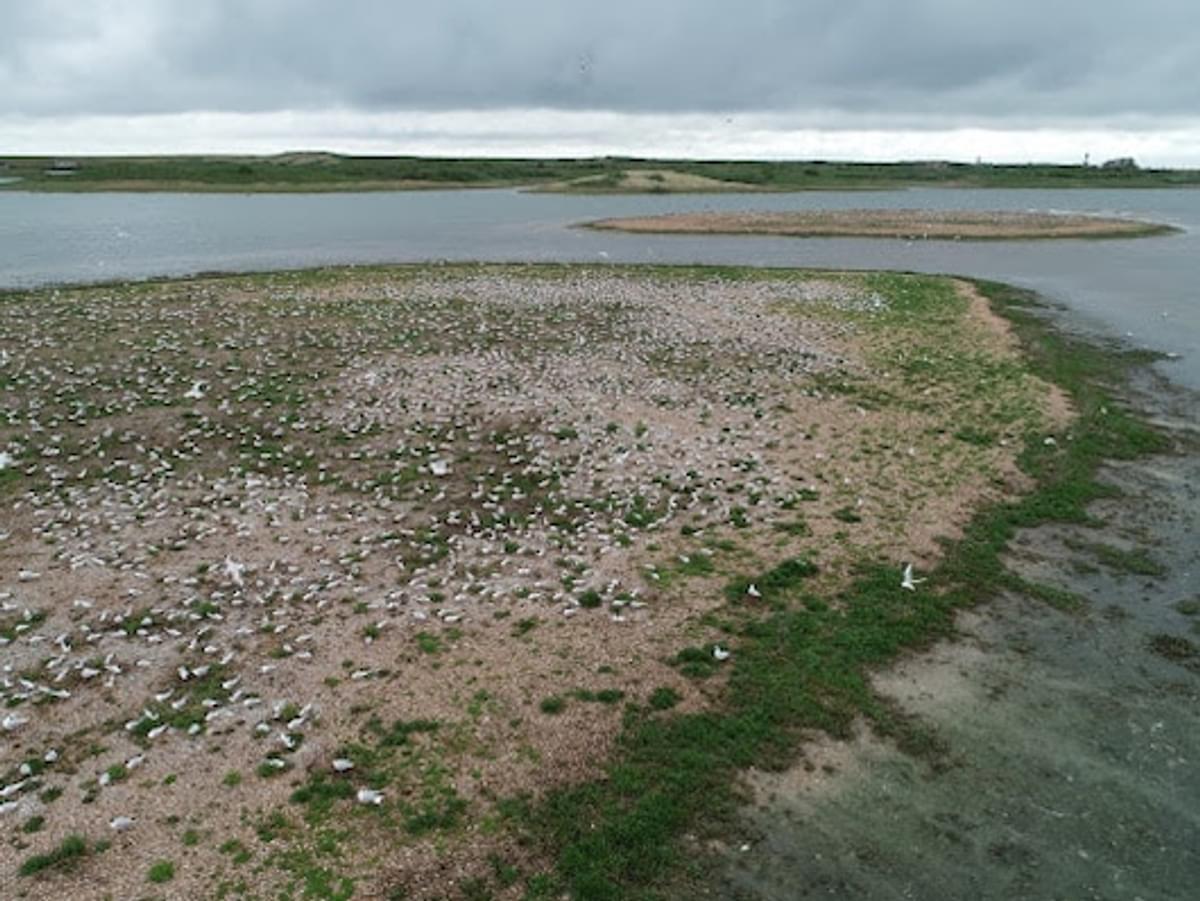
x=234, y=570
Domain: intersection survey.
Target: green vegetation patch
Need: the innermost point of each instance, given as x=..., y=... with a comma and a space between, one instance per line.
x=70, y=851
x=161, y=871
x=780, y=583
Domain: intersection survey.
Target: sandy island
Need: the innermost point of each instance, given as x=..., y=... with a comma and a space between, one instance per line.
x=303, y=575
x=965, y=225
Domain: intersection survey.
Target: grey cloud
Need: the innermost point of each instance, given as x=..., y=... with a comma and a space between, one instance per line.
x=1023, y=61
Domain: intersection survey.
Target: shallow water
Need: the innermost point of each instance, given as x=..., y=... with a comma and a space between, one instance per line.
x=1143, y=289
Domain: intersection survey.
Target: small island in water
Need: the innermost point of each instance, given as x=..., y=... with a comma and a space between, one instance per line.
x=964, y=225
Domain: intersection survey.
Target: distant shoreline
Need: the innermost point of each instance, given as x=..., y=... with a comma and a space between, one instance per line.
x=328, y=172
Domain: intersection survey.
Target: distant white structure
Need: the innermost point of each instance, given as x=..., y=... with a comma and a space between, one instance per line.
x=62, y=167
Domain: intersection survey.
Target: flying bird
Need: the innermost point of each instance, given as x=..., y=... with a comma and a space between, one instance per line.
x=907, y=581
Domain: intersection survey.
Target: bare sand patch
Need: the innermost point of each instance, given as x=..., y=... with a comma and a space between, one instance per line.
x=646, y=181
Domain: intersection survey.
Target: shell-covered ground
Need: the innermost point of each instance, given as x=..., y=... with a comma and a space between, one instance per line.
x=305, y=577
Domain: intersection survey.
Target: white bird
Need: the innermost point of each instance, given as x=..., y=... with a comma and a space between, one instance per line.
x=11, y=789
x=720, y=654
x=342, y=765
x=907, y=581
x=13, y=721
x=753, y=591
x=370, y=796
x=234, y=571
x=439, y=467
x=121, y=824
x=196, y=392
x=6, y=459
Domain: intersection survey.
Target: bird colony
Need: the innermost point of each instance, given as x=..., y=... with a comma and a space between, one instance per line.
x=342, y=533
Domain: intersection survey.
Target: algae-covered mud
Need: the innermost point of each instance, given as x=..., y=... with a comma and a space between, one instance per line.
x=954, y=225
x=465, y=581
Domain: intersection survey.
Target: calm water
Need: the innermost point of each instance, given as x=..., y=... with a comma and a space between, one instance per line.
x=1146, y=290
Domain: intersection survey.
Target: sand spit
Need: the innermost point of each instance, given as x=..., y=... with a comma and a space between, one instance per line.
x=955, y=225
x=646, y=181
x=303, y=575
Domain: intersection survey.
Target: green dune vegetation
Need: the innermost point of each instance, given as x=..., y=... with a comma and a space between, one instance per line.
x=318, y=171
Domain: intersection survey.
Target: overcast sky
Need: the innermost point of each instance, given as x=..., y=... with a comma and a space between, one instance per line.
x=1012, y=80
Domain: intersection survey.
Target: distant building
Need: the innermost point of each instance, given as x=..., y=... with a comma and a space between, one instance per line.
x=63, y=167
x=1121, y=163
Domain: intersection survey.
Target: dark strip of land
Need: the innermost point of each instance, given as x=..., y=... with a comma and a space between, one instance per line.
x=602, y=175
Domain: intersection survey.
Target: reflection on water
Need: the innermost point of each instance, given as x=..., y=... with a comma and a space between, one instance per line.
x=1145, y=288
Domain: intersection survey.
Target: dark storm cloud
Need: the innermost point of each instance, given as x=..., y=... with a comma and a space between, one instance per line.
x=1019, y=61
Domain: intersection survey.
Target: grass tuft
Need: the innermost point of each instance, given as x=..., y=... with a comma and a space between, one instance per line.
x=71, y=850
